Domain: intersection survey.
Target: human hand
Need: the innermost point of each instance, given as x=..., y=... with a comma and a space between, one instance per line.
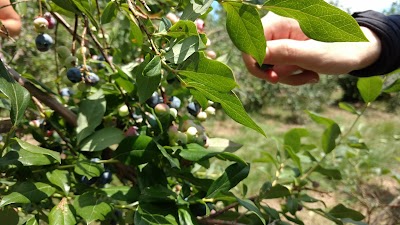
x=299, y=60
x=10, y=21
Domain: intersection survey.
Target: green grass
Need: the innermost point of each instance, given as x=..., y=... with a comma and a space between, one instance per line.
x=380, y=131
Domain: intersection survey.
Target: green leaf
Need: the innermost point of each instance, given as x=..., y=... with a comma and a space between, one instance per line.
x=295, y=158
x=292, y=205
x=136, y=34
x=252, y=208
x=153, y=214
x=185, y=217
x=67, y=5
x=61, y=214
x=124, y=81
x=319, y=20
x=87, y=8
x=9, y=216
x=348, y=107
x=183, y=29
x=341, y=211
x=244, y=27
x=330, y=134
x=394, y=87
x=330, y=173
x=27, y=192
x=183, y=49
x=329, y=138
x=91, y=207
x=60, y=178
x=195, y=9
x=370, y=88
x=268, y=191
x=173, y=161
x=122, y=193
x=110, y=13
x=91, y=112
x=19, y=97
x=88, y=168
x=102, y=139
x=194, y=152
x=136, y=150
x=210, y=73
x=222, y=144
x=37, y=150
x=148, y=77
x=231, y=105
x=157, y=194
x=292, y=138
x=229, y=179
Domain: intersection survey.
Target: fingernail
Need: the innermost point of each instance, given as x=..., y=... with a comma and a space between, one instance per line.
x=297, y=72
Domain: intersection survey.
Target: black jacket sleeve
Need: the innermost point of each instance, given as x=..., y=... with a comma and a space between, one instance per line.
x=387, y=28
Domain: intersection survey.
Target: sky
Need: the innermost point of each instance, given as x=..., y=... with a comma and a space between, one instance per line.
x=360, y=5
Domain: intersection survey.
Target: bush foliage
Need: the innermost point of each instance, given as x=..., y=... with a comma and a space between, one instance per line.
x=106, y=126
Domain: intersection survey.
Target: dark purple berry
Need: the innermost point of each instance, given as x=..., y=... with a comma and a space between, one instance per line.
x=193, y=108
x=154, y=100
x=265, y=67
x=85, y=180
x=43, y=42
x=105, y=177
x=74, y=75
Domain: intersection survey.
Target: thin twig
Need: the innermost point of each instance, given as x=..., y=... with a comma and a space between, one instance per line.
x=219, y=222
x=14, y=3
x=227, y=208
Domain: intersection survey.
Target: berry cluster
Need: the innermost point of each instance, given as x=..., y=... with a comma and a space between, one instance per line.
x=77, y=73
x=44, y=41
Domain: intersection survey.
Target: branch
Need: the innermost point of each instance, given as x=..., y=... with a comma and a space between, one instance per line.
x=48, y=100
x=227, y=208
x=219, y=222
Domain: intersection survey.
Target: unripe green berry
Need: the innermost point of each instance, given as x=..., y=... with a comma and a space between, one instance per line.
x=210, y=110
x=71, y=61
x=181, y=138
x=63, y=52
x=41, y=24
x=123, y=111
x=202, y=116
x=161, y=109
x=82, y=51
x=173, y=112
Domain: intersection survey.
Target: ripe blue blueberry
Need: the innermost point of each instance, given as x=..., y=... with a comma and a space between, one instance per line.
x=154, y=100
x=85, y=180
x=74, y=75
x=43, y=42
x=66, y=92
x=105, y=177
x=193, y=108
x=175, y=102
x=92, y=79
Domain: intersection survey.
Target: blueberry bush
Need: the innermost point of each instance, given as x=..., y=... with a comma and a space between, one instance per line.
x=110, y=131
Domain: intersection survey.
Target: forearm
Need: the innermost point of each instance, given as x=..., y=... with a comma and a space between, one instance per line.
x=387, y=29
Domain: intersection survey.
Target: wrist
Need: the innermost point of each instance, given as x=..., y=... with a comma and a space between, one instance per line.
x=371, y=51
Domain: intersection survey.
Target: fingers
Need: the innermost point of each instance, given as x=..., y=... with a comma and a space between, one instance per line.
x=292, y=52
x=252, y=67
x=305, y=77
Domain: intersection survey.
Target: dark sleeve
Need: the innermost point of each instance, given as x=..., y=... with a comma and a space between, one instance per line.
x=387, y=28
